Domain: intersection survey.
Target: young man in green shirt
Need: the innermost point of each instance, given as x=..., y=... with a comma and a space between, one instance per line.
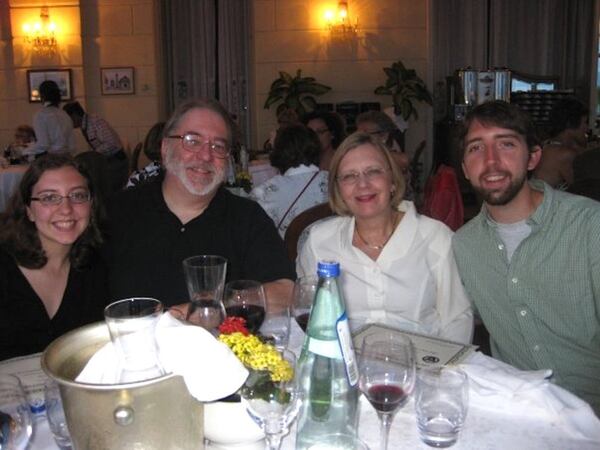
x=530, y=261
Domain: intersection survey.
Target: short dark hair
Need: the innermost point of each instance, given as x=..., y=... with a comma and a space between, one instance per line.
x=49, y=92
x=566, y=114
x=19, y=236
x=295, y=145
x=153, y=140
x=74, y=108
x=203, y=103
x=501, y=114
x=385, y=124
x=335, y=124
x=25, y=131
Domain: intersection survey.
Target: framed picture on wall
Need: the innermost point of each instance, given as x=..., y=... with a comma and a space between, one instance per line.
x=62, y=77
x=117, y=80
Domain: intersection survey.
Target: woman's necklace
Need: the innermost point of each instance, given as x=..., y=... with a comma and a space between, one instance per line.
x=380, y=246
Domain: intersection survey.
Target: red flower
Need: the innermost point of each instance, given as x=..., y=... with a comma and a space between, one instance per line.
x=232, y=324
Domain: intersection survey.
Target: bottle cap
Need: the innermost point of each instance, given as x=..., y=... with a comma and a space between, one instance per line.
x=328, y=269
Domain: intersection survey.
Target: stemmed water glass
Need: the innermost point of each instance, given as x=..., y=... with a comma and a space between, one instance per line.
x=305, y=289
x=246, y=298
x=387, y=376
x=272, y=404
x=15, y=416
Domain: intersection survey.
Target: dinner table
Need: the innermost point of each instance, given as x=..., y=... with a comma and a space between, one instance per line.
x=9, y=180
x=515, y=410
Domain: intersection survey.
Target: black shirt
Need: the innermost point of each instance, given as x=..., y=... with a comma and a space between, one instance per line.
x=25, y=326
x=147, y=243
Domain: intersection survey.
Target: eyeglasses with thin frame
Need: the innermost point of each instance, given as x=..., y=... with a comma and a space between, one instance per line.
x=369, y=174
x=193, y=142
x=54, y=199
x=322, y=131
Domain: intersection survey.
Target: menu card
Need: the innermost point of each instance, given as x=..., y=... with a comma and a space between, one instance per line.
x=33, y=378
x=429, y=351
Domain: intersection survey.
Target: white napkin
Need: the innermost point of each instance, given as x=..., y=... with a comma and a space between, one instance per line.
x=209, y=368
x=499, y=387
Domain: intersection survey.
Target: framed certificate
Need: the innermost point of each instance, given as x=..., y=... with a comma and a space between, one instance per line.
x=429, y=351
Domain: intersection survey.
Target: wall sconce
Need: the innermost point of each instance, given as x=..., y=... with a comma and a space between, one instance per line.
x=339, y=23
x=40, y=35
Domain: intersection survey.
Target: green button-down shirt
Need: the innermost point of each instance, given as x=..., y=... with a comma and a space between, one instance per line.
x=542, y=308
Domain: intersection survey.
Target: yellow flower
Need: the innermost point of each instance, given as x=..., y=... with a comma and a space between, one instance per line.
x=256, y=355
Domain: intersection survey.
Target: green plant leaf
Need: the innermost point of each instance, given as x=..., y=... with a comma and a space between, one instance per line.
x=286, y=77
x=272, y=99
x=382, y=90
x=310, y=102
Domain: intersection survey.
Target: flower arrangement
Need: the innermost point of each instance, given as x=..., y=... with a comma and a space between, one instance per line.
x=262, y=359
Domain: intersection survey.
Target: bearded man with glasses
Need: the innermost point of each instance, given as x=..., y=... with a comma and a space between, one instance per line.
x=187, y=212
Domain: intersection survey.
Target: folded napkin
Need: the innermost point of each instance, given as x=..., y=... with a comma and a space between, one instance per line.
x=209, y=368
x=501, y=388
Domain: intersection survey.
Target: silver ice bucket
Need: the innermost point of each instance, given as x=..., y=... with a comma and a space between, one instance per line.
x=156, y=414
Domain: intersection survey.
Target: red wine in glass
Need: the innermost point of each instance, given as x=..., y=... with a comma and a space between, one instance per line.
x=254, y=315
x=302, y=320
x=386, y=398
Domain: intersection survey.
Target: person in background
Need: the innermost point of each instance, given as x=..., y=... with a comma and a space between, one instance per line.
x=380, y=125
x=330, y=129
x=151, y=148
x=51, y=278
x=568, y=128
x=53, y=127
x=397, y=266
x=530, y=261
x=103, y=139
x=300, y=184
x=186, y=212
x=24, y=136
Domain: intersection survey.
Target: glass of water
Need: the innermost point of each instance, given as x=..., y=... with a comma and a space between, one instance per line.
x=56, y=415
x=441, y=404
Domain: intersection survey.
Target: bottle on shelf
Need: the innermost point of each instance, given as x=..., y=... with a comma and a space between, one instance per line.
x=327, y=366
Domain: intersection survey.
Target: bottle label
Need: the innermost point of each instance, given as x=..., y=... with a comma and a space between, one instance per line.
x=328, y=349
x=347, y=349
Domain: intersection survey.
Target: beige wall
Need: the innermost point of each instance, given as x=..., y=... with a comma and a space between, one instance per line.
x=291, y=34
x=91, y=34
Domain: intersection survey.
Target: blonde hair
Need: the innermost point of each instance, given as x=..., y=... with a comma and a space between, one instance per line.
x=350, y=143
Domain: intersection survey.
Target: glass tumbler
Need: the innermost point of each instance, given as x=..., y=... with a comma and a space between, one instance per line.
x=132, y=324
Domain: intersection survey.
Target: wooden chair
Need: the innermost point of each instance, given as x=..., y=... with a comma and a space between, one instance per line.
x=299, y=223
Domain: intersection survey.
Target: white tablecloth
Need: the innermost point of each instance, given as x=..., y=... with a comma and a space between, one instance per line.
x=483, y=429
x=9, y=180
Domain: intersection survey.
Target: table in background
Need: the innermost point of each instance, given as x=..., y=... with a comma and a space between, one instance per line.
x=9, y=180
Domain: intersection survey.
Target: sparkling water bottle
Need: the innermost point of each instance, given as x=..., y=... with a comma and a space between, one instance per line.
x=327, y=366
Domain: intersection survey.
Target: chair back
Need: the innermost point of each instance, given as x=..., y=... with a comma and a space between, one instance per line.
x=135, y=156
x=299, y=223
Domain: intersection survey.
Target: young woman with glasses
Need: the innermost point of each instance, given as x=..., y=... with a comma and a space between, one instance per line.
x=51, y=280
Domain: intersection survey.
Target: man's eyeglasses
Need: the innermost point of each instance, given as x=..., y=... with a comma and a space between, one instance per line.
x=370, y=174
x=75, y=197
x=193, y=142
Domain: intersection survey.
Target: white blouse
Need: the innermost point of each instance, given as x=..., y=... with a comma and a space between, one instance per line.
x=414, y=283
x=277, y=194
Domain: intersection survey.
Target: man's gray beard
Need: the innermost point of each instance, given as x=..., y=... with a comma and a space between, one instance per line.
x=177, y=168
x=495, y=198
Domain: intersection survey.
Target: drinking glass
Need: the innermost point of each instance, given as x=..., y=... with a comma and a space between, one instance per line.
x=205, y=278
x=305, y=289
x=56, y=415
x=386, y=376
x=246, y=298
x=132, y=324
x=339, y=441
x=272, y=404
x=441, y=403
x=15, y=417
x=276, y=326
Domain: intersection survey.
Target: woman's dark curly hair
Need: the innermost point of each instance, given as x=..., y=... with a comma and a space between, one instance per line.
x=19, y=236
x=334, y=122
x=295, y=145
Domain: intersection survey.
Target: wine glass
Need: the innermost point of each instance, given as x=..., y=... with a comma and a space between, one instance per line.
x=205, y=278
x=305, y=289
x=15, y=417
x=272, y=404
x=387, y=376
x=246, y=298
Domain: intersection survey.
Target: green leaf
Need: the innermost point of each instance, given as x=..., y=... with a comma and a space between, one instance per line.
x=382, y=90
x=272, y=99
x=310, y=102
x=286, y=77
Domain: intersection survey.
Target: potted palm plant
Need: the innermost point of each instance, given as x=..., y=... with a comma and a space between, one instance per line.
x=405, y=87
x=295, y=92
